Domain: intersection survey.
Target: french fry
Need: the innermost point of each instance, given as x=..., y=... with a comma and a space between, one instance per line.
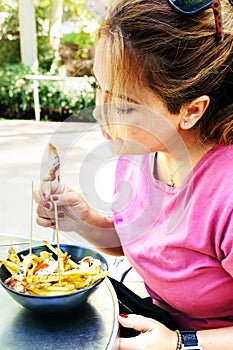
x=81, y=284
x=34, y=274
x=13, y=257
x=35, y=279
x=101, y=275
x=55, y=251
x=80, y=272
x=11, y=266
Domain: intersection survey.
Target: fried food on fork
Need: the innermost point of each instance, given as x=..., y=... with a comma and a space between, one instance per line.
x=53, y=164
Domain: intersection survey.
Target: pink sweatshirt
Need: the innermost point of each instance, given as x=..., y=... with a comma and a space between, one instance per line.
x=180, y=240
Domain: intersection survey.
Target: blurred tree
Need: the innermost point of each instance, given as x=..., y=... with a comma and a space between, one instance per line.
x=49, y=17
x=55, y=21
x=61, y=25
x=28, y=39
x=9, y=33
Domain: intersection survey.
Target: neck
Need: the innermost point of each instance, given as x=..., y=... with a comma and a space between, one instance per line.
x=173, y=167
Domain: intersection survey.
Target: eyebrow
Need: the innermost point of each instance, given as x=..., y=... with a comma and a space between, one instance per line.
x=123, y=97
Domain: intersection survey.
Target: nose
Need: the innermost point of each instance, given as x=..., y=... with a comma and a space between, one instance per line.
x=97, y=113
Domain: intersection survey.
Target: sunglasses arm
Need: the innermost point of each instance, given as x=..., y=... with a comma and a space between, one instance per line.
x=216, y=6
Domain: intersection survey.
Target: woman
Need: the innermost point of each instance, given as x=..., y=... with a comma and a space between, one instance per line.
x=164, y=76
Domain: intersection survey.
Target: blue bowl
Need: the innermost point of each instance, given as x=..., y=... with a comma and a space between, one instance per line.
x=61, y=303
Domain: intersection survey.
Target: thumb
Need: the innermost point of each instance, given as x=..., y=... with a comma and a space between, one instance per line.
x=137, y=322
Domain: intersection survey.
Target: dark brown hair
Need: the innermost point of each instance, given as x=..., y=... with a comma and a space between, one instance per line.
x=176, y=56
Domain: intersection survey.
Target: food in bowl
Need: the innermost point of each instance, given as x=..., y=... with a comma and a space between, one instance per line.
x=52, y=272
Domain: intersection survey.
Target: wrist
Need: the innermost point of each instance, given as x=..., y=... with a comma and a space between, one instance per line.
x=89, y=223
x=99, y=221
x=187, y=340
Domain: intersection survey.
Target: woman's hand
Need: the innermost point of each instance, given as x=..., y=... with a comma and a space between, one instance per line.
x=73, y=211
x=74, y=214
x=154, y=335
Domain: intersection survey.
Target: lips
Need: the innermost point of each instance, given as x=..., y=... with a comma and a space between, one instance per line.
x=108, y=137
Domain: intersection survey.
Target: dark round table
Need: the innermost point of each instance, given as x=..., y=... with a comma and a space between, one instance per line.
x=93, y=326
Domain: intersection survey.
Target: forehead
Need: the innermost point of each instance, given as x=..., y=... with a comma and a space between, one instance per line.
x=126, y=79
x=111, y=74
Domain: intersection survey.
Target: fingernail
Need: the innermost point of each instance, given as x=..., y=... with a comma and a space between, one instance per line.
x=123, y=315
x=44, y=196
x=54, y=198
x=47, y=205
x=61, y=215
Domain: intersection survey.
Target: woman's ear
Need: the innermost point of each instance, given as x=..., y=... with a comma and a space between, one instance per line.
x=193, y=111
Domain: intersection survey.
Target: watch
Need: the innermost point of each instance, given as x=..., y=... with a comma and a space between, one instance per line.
x=189, y=340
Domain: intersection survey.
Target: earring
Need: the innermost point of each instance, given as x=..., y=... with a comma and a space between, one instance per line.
x=185, y=123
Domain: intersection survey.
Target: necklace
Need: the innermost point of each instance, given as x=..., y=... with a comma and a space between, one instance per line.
x=170, y=181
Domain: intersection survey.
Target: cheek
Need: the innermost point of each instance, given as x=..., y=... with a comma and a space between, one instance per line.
x=141, y=137
x=98, y=96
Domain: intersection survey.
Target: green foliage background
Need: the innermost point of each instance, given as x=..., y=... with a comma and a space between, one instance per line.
x=58, y=101
x=16, y=92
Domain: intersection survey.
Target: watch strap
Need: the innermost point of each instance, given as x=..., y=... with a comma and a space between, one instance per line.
x=189, y=340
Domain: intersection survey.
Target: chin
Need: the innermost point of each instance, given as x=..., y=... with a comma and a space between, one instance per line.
x=122, y=147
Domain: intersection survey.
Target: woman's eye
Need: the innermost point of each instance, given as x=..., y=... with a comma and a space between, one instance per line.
x=125, y=110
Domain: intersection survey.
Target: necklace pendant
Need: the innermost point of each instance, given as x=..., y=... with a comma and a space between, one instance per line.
x=170, y=182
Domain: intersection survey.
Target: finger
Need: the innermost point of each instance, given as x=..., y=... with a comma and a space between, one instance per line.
x=71, y=198
x=45, y=222
x=67, y=224
x=45, y=190
x=37, y=196
x=46, y=218
x=129, y=344
x=41, y=196
x=139, y=323
x=57, y=187
x=50, y=187
x=44, y=212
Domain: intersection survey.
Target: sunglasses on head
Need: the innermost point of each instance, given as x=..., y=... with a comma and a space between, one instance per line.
x=189, y=7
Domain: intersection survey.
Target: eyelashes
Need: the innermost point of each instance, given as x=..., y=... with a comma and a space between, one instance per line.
x=123, y=111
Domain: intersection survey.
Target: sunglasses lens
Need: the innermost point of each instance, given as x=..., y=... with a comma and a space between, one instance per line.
x=190, y=6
